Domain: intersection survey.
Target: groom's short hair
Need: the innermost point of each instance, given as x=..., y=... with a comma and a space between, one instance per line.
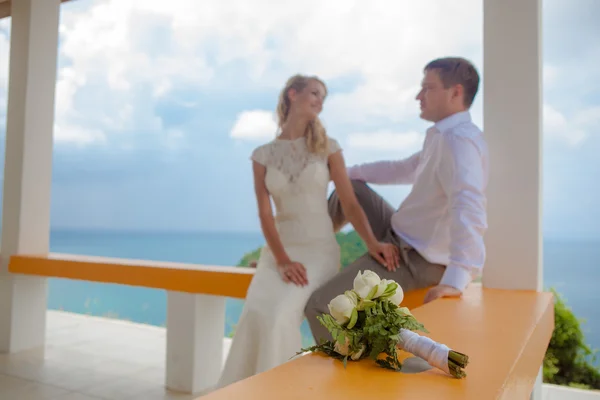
x=457, y=71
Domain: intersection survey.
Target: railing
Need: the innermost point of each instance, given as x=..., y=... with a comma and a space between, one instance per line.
x=195, y=304
x=180, y=277
x=504, y=332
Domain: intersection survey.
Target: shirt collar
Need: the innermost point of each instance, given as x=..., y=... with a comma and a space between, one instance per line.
x=452, y=121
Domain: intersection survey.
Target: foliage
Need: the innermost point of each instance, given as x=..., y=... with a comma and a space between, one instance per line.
x=249, y=257
x=352, y=247
x=569, y=360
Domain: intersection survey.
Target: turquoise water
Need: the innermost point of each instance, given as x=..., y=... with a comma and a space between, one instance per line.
x=571, y=267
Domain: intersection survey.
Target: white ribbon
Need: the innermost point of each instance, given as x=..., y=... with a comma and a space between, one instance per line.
x=436, y=354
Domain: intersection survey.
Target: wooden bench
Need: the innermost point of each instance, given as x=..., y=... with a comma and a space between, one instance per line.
x=505, y=334
x=196, y=296
x=180, y=277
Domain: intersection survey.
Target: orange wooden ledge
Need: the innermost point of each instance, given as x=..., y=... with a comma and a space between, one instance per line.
x=505, y=333
x=201, y=279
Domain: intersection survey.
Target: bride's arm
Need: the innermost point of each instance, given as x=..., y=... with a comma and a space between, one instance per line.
x=290, y=271
x=356, y=215
x=265, y=213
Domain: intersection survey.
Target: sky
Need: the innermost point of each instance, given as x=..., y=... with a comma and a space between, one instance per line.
x=160, y=103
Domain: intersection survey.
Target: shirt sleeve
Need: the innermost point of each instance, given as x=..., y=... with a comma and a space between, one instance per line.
x=396, y=172
x=463, y=178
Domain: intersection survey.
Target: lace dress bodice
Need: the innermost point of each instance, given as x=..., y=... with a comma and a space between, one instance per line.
x=297, y=180
x=290, y=157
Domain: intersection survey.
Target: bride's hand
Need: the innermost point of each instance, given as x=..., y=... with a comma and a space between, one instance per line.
x=386, y=254
x=293, y=272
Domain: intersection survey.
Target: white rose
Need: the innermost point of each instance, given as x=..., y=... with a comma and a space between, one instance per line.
x=382, y=287
x=341, y=307
x=364, y=283
x=397, y=297
x=343, y=349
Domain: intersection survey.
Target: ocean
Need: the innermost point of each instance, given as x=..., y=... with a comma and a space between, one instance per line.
x=570, y=267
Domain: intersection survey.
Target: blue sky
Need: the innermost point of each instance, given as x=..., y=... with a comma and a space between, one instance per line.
x=159, y=104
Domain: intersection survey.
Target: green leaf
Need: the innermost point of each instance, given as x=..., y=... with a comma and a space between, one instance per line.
x=353, y=319
x=341, y=337
x=390, y=290
x=372, y=293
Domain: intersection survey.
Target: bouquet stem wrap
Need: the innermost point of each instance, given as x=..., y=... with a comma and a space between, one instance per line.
x=436, y=354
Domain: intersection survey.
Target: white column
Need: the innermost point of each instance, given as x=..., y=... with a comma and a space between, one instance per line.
x=27, y=168
x=195, y=333
x=512, y=70
x=512, y=90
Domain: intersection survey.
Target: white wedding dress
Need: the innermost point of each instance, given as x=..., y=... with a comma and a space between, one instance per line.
x=268, y=331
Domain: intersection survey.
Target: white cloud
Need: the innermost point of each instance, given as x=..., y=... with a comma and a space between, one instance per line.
x=108, y=50
x=115, y=48
x=254, y=125
x=588, y=118
x=550, y=75
x=77, y=135
x=120, y=57
x=175, y=139
x=574, y=130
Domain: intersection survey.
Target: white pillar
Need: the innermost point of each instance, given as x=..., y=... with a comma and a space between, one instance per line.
x=27, y=168
x=512, y=113
x=195, y=333
x=512, y=90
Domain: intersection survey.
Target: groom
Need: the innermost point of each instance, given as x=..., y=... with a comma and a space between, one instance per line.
x=439, y=227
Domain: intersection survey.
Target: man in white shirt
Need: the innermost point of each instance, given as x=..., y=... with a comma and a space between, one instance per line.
x=439, y=227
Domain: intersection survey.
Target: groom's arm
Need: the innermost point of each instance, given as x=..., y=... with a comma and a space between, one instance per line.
x=463, y=177
x=387, y=172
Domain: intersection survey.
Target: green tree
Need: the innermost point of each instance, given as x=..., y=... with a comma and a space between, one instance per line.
x=569, y=360
x=352, y=247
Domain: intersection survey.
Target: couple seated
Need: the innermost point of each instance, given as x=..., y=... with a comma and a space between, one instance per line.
x=434, y=239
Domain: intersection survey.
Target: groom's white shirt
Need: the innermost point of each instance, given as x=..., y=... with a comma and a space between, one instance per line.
x=444, y=216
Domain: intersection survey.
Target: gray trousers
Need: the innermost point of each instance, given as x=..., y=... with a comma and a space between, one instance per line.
x=414, y=272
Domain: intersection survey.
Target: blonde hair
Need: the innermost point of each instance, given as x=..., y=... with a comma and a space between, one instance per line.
x=316, y=135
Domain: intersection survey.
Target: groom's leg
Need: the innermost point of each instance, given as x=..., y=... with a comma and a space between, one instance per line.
x=414, y=272
x=379, y=212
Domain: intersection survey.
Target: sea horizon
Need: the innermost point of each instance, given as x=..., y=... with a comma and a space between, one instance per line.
x=55, y=228
x=569, y=268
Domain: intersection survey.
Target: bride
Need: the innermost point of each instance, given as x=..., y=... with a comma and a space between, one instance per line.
x=301, y=251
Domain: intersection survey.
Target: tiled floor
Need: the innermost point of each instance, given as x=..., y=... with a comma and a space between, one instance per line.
x=90, y=358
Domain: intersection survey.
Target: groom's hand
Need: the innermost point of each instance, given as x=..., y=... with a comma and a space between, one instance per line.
x=386, y=254
x=440, y=291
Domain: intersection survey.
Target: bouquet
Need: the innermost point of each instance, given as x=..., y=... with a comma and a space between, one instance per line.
x=367, y=322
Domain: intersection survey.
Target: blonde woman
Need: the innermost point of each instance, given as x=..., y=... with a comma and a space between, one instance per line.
x=301, y=253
